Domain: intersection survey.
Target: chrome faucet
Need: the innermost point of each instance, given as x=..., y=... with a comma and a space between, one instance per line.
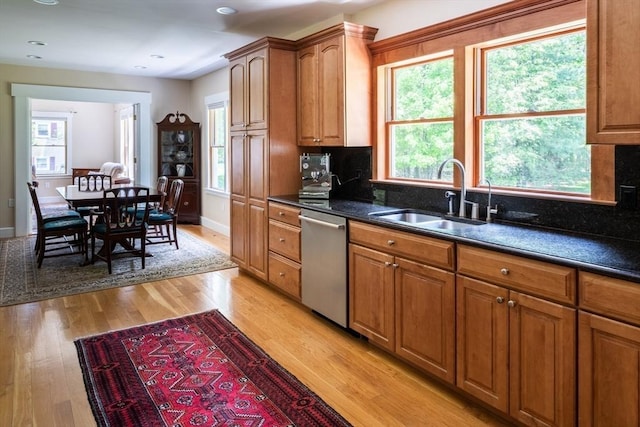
x=463, y=188
x=490, y=210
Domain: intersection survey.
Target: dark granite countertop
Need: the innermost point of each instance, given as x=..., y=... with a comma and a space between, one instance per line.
x=612, y=257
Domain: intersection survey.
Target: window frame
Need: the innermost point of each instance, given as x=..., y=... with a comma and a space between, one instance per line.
x=480, y=103
x=212, y=102
x=68, y=144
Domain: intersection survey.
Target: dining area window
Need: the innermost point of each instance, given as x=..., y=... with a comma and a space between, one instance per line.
x=50, y=143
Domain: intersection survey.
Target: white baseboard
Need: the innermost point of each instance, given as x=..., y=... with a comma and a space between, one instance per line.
x=7, y=232
x=215, y=226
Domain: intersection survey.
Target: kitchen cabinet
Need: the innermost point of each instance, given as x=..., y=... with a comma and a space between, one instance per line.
x=515, y=351
x=334, y=87
x=284, y=249
x=613, y=58
x=609, y=349
x=264, y=156
x=402, y=295
x=179, y=158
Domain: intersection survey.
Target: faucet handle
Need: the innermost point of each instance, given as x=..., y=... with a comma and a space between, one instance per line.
x=491, y=211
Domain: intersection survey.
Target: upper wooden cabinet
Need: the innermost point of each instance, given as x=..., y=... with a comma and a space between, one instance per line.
x=613, y=61
x=334, y=87
x=248, y=98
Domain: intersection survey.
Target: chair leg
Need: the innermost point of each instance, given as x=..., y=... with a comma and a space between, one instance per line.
x=143, y=245
x=175, y=233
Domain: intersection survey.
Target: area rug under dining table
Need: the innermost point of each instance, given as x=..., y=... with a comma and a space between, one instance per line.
x=21, y=281
x=197, y=370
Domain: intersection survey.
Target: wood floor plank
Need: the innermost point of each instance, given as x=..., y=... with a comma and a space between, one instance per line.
x=41, y=382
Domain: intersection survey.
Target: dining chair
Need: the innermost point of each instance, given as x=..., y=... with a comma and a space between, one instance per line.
x=58, y=234
x=122, y=219
x=163, y=223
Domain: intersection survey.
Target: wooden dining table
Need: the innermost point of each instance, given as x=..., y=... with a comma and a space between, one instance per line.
x=77, y=198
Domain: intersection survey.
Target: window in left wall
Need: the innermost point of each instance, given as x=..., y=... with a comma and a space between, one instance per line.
x=217, y=137
x=50, y=142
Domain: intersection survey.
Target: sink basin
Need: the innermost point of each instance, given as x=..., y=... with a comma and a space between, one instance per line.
x=408, y=217
x=446, y=224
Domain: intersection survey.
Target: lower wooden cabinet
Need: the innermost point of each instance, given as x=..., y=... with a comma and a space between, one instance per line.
x=609, y=372
x=285, y=272
x=516, y=352
x=190, y=202
x=405, y=306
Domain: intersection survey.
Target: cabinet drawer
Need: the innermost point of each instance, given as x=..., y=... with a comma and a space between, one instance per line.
x=284, y=213
x=611, y=297
x=537, y=277
x=284, y=239
x=425, y=249
x=285, y=274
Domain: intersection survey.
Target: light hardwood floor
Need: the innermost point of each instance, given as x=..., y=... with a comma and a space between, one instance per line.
x=42, y=383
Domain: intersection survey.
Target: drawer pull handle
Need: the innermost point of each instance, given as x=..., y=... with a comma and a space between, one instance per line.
x=499, y=300
x=511, y=303
x=281, y=213
x=281, y=239
x=391, y=242
x=504, y=271
x=281, y=274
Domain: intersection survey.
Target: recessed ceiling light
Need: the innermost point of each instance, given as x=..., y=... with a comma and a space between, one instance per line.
x=226, y=10
x=34, y=57
x=47, y=2
x=36, y=43
x=157, y=56
x=140, y=67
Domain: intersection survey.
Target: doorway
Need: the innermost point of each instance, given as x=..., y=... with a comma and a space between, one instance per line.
x=23, y=94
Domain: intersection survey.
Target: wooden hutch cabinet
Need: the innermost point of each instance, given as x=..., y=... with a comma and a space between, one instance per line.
x=179, y=158
x=264, y=155
x=334, y=87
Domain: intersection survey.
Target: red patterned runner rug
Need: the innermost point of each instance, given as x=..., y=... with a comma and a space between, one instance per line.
x=197, y=370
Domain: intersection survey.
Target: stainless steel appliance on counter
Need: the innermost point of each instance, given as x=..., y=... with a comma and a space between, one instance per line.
x=316, y=176
x=324, y=264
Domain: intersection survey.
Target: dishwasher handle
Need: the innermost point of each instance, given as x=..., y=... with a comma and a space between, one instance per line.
x=323, y=223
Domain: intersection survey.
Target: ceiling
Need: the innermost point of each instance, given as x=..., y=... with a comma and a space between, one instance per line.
x=120, y=36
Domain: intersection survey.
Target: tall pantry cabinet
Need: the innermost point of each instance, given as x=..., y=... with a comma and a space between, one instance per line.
x=264, y=154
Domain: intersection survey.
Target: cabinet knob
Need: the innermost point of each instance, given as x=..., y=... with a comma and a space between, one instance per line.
x=185, y=204
x=387, y=263
x=499, y=300
x=504, y=271
x=395, y=265
x=281, y=213
x=281, y=274
x=391, y=242
x=511, y=303
x=281, y=239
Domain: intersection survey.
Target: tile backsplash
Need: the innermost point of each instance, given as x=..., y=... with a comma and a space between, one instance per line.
x=353, y=167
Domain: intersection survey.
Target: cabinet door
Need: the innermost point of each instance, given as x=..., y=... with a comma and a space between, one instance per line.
x=237, y=183
x=542, y=355
x=237, y=84
x=238, y=230
x=613, y=59
x=257, y=240
x=425, y=317
x=256, y=101
x=371, y=295
x=331, y=91
x=609, y=374
x=308, y=96
x=257, y=162
x=482, y=341
x=189, y=211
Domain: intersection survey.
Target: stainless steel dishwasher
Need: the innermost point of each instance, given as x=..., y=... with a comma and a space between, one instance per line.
x=324, y=264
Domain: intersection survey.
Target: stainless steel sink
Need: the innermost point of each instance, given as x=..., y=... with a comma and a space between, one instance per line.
x=423, y=220
x=446, y=224
x=408, y=217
